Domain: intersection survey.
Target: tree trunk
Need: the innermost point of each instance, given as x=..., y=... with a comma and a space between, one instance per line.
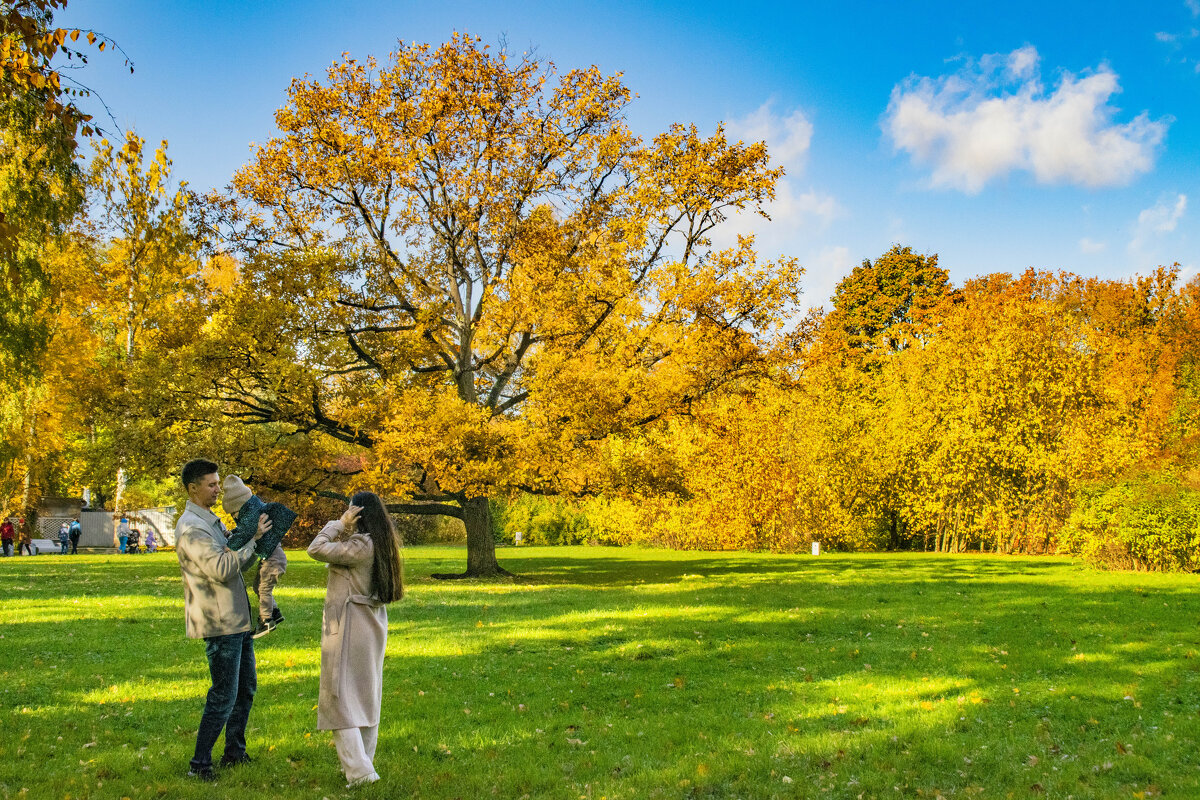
x=118, y=503
x=28, y=507
x=481, y=547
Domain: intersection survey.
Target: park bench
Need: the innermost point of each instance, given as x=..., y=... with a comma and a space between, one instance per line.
x=41, y=546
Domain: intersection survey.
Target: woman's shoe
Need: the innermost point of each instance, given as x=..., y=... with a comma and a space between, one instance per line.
x=374, y=776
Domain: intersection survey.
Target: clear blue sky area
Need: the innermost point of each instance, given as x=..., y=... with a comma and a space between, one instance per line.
x=1057, y=135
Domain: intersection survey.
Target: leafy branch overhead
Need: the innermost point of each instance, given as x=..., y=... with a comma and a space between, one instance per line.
x=28, y=46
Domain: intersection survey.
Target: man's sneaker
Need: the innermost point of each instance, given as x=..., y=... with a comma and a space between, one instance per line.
x=203, y=774
x=235, y=761
x=276, y=616
x=265, y=626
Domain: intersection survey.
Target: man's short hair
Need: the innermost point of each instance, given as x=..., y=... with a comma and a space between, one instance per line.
x=196, y=469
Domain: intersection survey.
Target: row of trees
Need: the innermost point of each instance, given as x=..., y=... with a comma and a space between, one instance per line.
x=918, y=415
x=459, y=275
x=1034, y=413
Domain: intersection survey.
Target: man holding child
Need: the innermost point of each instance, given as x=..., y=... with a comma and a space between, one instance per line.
x=217, y=610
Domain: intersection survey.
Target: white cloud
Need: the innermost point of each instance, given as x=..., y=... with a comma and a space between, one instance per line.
x=1156, y=222
x=1180, y=44
x=793, y=217
x=794, y=214
x=835, y=260
x=995, y=116
x=788, y=138
x=1022, y=63
x=810, y=209
x=824, y=270
x=1162, y=217
x=1193, y=6
x=1089, y=246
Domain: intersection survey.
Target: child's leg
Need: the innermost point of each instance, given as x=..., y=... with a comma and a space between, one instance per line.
x=273, y=566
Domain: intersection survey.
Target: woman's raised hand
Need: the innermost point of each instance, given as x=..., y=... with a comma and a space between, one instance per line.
x=350, y=517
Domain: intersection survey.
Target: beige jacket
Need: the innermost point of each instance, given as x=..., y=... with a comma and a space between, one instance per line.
x=353, y=632
x=214, y=596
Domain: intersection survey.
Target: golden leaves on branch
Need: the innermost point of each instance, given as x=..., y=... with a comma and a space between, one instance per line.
x=27, y=48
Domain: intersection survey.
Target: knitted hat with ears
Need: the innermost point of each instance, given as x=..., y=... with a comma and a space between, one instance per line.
x=236, y=494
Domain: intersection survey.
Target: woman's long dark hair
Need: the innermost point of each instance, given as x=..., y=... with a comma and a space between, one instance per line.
x=387, y=571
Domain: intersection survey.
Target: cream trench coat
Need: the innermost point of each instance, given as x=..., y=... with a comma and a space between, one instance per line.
x=353, y=632
x=214, y=596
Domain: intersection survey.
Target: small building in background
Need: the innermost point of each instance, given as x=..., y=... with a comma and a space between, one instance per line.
x=52, y=513
x=99, y=527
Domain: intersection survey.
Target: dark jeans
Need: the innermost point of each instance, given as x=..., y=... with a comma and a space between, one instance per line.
x=75, y=545
x=234, y=681
x=7, y=548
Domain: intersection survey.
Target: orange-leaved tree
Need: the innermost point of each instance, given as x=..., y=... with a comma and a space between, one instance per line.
x=466, y=269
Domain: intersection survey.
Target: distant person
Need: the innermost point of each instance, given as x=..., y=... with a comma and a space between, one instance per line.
x=24, y=544
x=217, y=609
x=135, y=539
x=123, y=533
x=245, y=506
x=6, y=536
x=151, y=541
x=75, y=531
x=64, y=535
x=365, y=573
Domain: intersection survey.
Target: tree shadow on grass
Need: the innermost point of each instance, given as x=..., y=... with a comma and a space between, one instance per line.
x=727, y=681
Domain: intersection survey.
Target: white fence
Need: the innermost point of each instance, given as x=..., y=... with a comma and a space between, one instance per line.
x=160, y=520
x=100, y=528
x=48, y=527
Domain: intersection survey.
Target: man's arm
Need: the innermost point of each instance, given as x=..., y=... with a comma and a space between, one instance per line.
x=200, y=553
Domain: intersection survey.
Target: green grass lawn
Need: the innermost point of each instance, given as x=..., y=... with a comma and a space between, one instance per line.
x=629, y=673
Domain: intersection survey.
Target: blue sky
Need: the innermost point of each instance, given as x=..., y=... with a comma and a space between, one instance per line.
x=1057, y=135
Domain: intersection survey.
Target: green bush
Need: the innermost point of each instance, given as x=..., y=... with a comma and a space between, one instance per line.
x=555, y=521
x=417, y=529
x=1147, y=522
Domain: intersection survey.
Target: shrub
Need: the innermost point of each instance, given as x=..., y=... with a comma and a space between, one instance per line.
x=1150, y=521
x=417, y=529
x=559, y=521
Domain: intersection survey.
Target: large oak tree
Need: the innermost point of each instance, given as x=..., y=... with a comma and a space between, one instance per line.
x=463, y=272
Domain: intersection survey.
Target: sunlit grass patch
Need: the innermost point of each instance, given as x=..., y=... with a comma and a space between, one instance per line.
x=634, y=674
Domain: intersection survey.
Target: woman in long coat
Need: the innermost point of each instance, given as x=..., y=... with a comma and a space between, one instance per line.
x=363, y=555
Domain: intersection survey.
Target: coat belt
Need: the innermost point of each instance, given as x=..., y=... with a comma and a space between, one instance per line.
x=341, y=627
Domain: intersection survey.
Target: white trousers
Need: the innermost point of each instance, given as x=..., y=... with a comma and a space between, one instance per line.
x=356, y=751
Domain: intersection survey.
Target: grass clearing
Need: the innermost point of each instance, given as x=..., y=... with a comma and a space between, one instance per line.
x=632, y=673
